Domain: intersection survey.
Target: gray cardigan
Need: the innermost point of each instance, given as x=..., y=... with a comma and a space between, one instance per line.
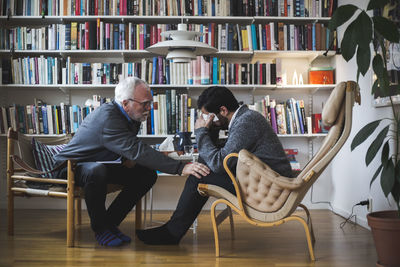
x=249, y=130
x=106, y=134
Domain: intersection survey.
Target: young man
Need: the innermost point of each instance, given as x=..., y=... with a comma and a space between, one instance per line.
x=248, y=129
x=110, y=132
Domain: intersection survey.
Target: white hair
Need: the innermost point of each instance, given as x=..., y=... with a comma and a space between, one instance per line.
x=125, y=89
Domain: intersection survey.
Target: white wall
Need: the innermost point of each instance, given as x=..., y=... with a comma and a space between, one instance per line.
x=350, y=176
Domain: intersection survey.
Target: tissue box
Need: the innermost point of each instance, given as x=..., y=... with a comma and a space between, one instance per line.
x=321, y=76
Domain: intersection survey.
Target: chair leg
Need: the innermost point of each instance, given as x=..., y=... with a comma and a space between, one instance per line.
x=309, y=222
x=10, y=213
x=308, y=235
x=215, y=227
x=78, y=211
x=70, y=206
x=231, y=222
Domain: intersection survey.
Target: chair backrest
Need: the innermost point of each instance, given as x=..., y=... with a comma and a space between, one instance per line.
x=21, y=144
x=337, y=113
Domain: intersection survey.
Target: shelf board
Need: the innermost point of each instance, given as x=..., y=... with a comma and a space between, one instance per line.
x=134, y=55
x=58, y=86
x=306, y=88
x=153, y=136
x=40, y=21
x=310, y=88
x=310, y=55
x=302, y=135
x=297, y=20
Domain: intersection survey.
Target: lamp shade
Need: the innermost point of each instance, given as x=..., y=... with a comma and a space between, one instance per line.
x=182, y=48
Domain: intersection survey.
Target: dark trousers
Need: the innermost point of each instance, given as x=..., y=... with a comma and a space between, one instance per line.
x=191, y=202
x=94, y=177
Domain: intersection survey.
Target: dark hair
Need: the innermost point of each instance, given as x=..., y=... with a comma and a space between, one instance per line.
x=215, y=97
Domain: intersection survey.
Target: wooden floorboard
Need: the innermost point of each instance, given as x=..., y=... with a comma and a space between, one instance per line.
x=40, y=239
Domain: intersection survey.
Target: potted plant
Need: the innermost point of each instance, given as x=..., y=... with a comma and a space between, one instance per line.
x=366, y=29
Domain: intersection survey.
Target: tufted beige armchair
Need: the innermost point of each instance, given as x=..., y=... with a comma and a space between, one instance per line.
x=265, y=198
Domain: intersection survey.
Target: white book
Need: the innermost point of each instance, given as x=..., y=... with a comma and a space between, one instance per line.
x=292, y=37
x=50, y=119
x=63, y=119
x=71, y=121
x=272, y=35
x=13, y=119
x=102, y=35
x=260, y=45
x=4, y=115
x=155, y=114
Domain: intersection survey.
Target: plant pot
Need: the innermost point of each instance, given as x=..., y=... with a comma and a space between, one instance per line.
x=385, y=227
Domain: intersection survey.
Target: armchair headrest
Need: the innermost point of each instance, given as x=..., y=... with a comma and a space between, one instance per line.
x=332, y=107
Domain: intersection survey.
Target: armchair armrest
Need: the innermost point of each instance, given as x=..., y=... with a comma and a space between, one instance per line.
x=30, y=169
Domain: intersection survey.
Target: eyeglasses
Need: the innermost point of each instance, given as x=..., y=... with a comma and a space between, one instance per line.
x=145, y=104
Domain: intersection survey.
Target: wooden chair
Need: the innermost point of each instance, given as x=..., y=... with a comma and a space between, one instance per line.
x=19, y=168
x=265, y=198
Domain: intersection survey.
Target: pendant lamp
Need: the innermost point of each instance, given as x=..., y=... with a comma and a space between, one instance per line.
x=182, y=48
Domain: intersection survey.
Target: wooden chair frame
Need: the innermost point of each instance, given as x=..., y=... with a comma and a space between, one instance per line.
x=72, y=193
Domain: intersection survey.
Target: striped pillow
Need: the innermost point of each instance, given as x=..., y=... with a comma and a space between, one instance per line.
x=43, y=155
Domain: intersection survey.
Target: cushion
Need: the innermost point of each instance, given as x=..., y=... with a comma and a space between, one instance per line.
x=43, y=155
x=333, y=104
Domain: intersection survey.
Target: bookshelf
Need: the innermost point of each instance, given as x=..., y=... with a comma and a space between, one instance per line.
x=248, y=93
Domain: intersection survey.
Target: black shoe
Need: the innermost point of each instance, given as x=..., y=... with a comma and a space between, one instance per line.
x=157, y=236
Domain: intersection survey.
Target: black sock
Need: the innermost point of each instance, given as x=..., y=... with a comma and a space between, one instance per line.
x=157, y=236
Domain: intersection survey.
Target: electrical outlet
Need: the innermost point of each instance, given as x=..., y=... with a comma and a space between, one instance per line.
x=369, y=204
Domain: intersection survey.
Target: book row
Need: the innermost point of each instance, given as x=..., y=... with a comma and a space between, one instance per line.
x=284, y=8
x=287, y=117
x=42, y=118
x=100, y=35
x=170, y=112
x=53, y=70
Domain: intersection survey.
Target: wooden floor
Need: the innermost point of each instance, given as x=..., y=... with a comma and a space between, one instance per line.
x=40, y=237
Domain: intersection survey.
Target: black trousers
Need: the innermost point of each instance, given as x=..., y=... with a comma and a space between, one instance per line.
x=191, y=202
x=94, y=177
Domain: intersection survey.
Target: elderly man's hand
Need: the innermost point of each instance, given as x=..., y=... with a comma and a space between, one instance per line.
x=197, y=169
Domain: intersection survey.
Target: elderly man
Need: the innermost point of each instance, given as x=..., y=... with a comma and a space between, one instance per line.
x=248, y=129
x=109, y=133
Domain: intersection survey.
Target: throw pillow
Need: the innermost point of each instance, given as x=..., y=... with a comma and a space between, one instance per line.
x=43, y=155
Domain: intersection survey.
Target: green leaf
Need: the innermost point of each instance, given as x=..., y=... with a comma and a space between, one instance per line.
x=375, y=87
x=349, y=41
x=398, y=171
x=376, y=144
x=377, y=66
x=364, y=133
x=364, y=29
x=396, y=192
x=375, y=175
x=386, y=28
x=363, y=58
x=373, y=4
x=387, y=177
x=341, y=15
x=385, y=152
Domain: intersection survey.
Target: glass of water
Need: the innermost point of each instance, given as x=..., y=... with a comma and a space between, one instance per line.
x=188, y=149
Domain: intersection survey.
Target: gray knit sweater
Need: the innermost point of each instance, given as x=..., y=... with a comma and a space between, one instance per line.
x=251, y=131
